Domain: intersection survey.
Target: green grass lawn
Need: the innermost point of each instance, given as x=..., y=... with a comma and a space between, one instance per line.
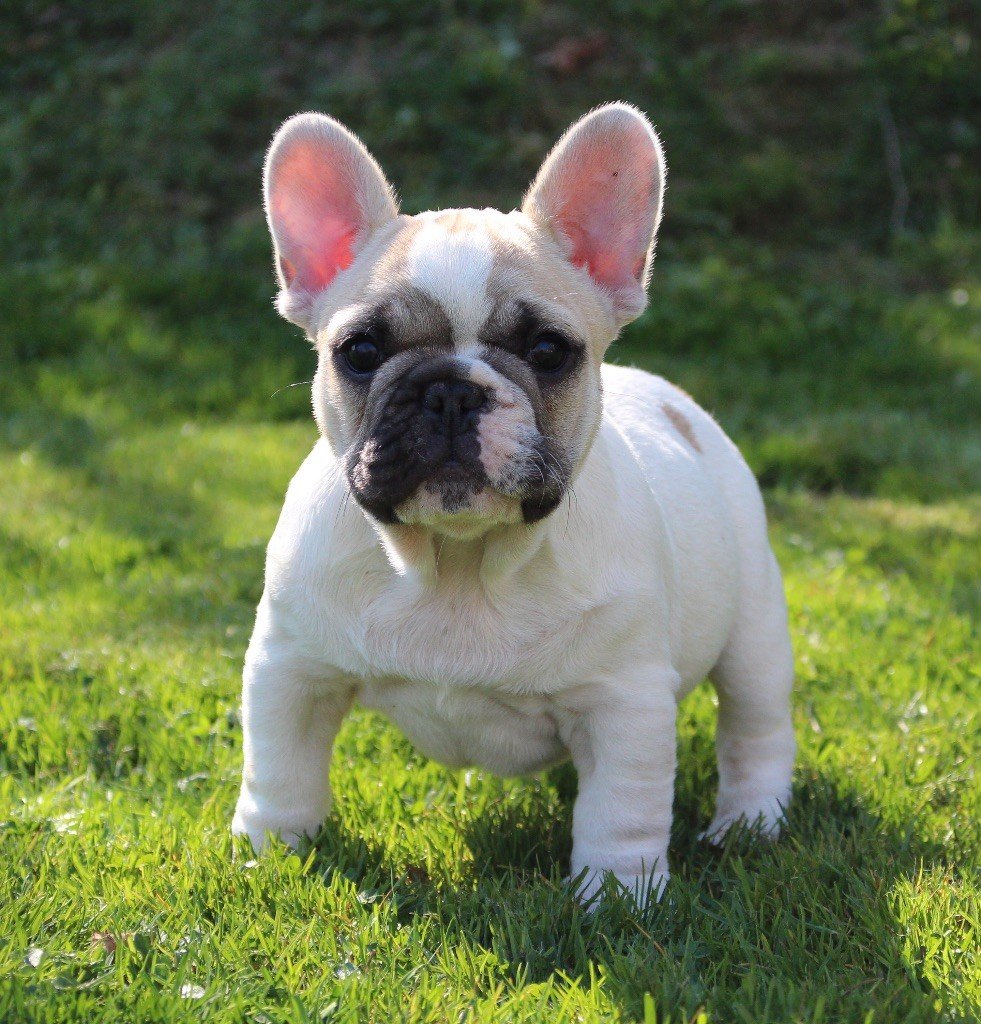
x=148, y=428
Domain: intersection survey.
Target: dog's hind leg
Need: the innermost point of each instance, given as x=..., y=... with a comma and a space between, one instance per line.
x=755, y=737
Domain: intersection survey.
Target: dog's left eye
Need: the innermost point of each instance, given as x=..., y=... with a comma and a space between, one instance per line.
x=362, y=354
x=547, y=353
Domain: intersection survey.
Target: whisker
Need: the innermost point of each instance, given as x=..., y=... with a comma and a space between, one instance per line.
x=439, y=551
x=541, y=467
x=555, y=468
x=558, y=467
x=286, y=387
x=338, y=514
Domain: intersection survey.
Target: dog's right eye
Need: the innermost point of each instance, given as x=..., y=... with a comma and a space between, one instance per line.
x=362, y=354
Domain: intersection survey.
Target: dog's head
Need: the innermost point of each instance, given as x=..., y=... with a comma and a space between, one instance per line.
x=460, y=351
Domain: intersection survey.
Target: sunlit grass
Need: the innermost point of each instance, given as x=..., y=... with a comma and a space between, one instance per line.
x=153, y=409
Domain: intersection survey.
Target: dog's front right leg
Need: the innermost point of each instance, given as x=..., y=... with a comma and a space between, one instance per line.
x=291, y=713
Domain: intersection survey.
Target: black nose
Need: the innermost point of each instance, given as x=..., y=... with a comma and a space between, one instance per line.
x=454, y=405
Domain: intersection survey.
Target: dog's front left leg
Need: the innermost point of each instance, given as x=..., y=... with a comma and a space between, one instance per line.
x=291, y=713
x=625, y=753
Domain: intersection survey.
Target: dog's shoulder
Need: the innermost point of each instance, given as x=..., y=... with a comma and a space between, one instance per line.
x=313, y=529
x=670, y=432
x=637, y=401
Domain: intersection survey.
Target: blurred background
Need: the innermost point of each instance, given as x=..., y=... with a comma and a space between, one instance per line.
x=816, y=288
x=814, y=283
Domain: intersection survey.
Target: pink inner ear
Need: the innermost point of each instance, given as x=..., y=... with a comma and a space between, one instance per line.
x=606, y=210
x=315, y=210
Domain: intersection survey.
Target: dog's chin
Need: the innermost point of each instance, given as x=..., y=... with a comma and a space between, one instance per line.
x=460, y=518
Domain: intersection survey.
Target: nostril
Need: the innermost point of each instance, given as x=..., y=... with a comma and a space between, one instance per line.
x=453, y=398
x=473, y=397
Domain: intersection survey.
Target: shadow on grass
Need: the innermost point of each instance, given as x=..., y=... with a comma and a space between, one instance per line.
x=750, y=931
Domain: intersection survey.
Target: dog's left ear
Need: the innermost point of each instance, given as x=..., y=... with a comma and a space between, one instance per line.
x=600, y=192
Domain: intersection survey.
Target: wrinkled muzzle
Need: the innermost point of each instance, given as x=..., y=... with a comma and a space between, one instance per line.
x=452, y=439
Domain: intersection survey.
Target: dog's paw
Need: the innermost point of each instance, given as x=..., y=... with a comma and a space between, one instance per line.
x=642, y=889
x=259, y=823
x=761, y=818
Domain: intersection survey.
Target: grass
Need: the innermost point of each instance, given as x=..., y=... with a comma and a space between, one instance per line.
x=148, y=429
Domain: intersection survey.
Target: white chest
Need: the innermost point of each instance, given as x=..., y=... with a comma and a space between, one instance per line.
x=524, y=639
x=471, y=677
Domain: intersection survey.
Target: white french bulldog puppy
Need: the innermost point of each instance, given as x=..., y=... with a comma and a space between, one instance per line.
x=544, y=554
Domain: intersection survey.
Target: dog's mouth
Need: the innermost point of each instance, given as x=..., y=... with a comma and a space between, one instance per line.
x=455, y=486
x=455, y=496
x=388, y=479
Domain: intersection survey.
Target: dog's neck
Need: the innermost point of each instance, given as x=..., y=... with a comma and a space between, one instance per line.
x=426, y=557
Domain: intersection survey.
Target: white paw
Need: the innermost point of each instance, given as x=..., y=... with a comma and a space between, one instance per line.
x=643, y=889
x=761, y=817
x=259, y=823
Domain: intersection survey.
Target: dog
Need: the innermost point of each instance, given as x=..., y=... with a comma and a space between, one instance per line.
x=516, y=552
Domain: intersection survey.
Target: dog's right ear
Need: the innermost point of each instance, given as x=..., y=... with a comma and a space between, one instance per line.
x=325, y=196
